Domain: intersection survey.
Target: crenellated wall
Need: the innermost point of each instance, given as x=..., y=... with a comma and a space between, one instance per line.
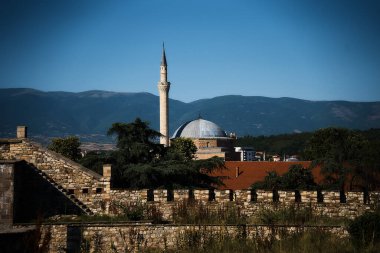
x=94, y=190
x=330, y=203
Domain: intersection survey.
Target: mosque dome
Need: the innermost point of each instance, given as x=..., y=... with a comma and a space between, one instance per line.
x=199, y=128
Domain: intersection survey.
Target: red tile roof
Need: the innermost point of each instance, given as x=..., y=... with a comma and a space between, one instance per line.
x=251, y=172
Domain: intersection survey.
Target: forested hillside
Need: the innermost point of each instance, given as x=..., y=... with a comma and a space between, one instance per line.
x=89, y=114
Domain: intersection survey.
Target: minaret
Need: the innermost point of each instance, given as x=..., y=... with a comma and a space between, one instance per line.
x=163, y=88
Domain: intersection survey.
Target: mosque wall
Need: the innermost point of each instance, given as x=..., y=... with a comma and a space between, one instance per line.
x=206, y=155
x=205, y=143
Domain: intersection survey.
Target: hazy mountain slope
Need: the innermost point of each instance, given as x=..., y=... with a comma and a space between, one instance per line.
x=93, y=112
x=261, y=115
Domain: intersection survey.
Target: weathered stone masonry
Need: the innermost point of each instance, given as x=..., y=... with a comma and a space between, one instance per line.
x=85, y=185
x=132, y=237
x=250, y=203
x=6, y=194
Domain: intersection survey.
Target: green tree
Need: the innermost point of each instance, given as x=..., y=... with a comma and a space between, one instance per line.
x=272, y=181
x=68, y=147
x=173, y=174
x=339, y=152
x=364, y=230
x=136, y=142
x=94, y=160
x=182, y=149
x=296, y=178
x=290, y=144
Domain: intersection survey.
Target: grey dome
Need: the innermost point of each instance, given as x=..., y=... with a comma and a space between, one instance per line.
x=199, y=128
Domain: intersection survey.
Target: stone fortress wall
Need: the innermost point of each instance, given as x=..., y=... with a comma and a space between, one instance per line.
x=86, y=187
x=94, y=191
x=138, y=237
x=250, y=203
x=83, y=186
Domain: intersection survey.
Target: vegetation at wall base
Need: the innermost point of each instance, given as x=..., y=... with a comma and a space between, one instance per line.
x=312, y=241
x=194, y=212
x=365, y=230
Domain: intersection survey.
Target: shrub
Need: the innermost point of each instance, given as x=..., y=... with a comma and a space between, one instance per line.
x=194, y=212
x=365, y=230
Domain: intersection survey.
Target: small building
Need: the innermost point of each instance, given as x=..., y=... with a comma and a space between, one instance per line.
x=246, y=153
x=276, y=158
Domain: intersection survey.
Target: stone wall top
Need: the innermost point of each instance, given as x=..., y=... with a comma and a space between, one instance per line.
x=260, y=196
x=11, y=140
x=65, y=159
x=9, y=161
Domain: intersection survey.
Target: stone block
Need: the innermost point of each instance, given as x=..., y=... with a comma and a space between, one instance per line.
x=22, y=132
x=107, y=168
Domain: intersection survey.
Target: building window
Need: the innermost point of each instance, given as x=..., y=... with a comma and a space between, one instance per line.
x=85, y=190
x=98, y=190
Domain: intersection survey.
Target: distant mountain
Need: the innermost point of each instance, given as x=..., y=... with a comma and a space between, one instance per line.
x=92, y=112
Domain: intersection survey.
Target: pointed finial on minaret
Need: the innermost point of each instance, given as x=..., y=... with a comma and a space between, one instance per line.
x=163, y=61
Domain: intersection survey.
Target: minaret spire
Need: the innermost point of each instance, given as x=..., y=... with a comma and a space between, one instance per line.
x=163, y=61
x=163, y=88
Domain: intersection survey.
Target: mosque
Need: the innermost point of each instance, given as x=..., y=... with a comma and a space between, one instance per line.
x=209, y=138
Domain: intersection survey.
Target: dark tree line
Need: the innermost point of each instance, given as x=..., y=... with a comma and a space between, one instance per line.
x=289, y=144
x=297, y=178
x=348, y=160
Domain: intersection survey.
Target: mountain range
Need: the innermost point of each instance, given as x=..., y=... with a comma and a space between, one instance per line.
x=91, y=113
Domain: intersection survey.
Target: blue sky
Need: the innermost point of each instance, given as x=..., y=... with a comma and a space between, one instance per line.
x=317, y=50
